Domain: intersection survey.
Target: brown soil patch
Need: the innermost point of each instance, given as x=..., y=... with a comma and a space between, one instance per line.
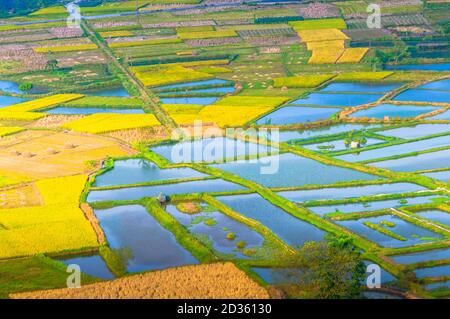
x=27, y=195
x=53, y=121
x=219, y=280
x=134, y=136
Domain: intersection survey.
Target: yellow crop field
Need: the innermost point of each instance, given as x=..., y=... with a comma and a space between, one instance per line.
x=147, y=68
x=108, y=122
x=352, y=55
x=321, y=35
x=169, y=74
x=302, y=81
x=42, y=103
x=322, y=56
x=143, y=42
x=336, y=23
x=8, y=130
x=214, y=69
x=114, y=34
x=326, y=45
x=363, y=76
x=207, y=34
x=56, y=225
x=254, y=101
x=20, y=116
x=66, y=48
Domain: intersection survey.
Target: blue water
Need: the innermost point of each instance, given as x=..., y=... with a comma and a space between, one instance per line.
x=402, y=228
x=349, y=192
x=441, y=116
x=121, y=92
x=189, y=100
x=10, y=100
x=411, y=132
x=92, y=110
x=379, y=295
x=437, y=85
x=437, y=216
x=133, y=171
x=393, y=111
x=133, y=193
x=217, y=233
x=290, y=229
x=10, y=87
x=284, y=136
x=420, y=162
x=192, y=84
x=423, y=96
x=288, y=170
x=150, y=244
x=437, y=271
x=338, y=145
x=426, y=67
x=442, y=175
x=216, y=149
x=296, y=114
x=399, y=149
x=437, y=285
x=93, y=266
x=422, y=256
x=225, y=89
x=361, y=87
x=370, y=206
x=338, y=99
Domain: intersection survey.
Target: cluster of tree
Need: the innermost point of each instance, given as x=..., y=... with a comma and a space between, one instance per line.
x=382, y=57
x=331, y=269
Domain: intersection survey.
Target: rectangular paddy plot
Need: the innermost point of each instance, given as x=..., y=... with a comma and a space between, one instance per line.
x=195, y=84
x=289, y=169
x=91, y=110
x=216, y=226
x=142, y=239
x=219, y=90
x=412, y=234
x=420, y=130
x=436, y=215
x=438, y=285
x=296, y=114
x=418, y=95
x=393, y=111
x=339, y=145
x=290, y=229
x=337, y=99
x=93, y=266
x=349, y=192
x=420, y=162
x=443, y=176
x=371, y=206
x=284, y=136
x=437, y=271
x=211, y=150
x=133, y=193
x=442, y=116
x=399, y=149
x=361, y=87
x=437, y=85
x=10, y=100
x=189, y=100
x=134, y=171
x=429, y=255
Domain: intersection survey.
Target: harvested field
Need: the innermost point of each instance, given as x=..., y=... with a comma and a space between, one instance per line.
x=218, y=281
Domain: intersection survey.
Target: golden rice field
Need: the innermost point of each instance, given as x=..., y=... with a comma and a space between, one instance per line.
x=5, y=130
x=115, y=34
x=217, y=281
x=262, y=101
x=66, y=48
x=352, y=55
x=42, y=103
x=108, y=122
x=302, y=81
x=161, y=75
x=56, y=225
x=361, y=76
x=20, y=116
x=316, y=35
x=207, y=34
x=336, y=23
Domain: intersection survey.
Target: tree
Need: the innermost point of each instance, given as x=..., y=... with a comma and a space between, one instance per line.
x=26, y=86
x=326, y=270
x=52, y=64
